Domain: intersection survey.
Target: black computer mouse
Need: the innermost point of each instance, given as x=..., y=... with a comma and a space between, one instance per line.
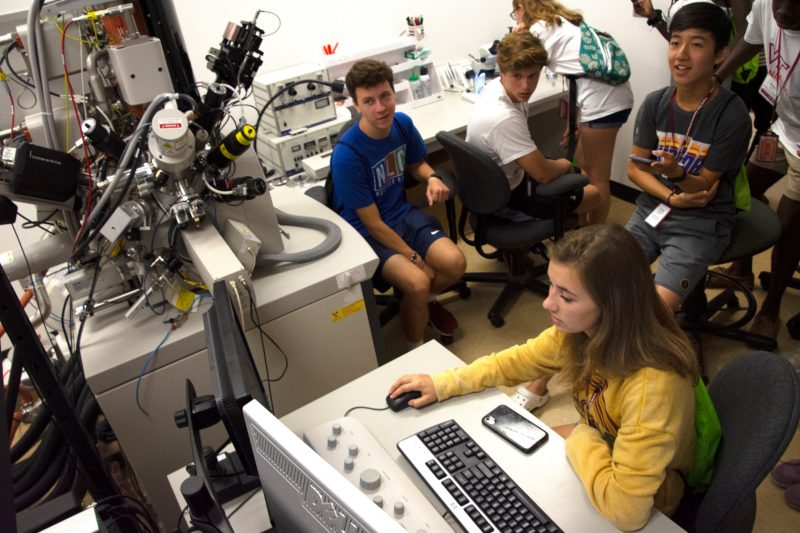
x=401, y=402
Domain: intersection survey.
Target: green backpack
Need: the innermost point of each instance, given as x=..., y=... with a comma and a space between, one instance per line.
x=602, y=58
x=707, y=432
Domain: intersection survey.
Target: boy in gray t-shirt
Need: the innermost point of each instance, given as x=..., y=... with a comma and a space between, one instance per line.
x=698, y=133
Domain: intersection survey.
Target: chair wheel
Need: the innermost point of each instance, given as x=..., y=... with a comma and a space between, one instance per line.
x=793, y=325
x=446, y=340
x=464, y=293
x=497, y=321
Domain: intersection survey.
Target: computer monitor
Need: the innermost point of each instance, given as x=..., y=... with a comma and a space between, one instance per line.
x=302, y=491
x=234, y=377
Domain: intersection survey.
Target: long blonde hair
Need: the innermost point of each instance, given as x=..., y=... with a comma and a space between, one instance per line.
x=548, y=11
x=635, y=328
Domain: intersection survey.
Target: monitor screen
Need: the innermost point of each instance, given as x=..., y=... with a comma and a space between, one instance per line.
x=234, y=377
x=301, y=490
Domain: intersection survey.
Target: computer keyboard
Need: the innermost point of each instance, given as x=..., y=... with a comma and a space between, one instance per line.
x=479, y=494
x=348, y=446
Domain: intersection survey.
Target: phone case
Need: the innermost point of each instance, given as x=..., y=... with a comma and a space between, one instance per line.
x=515, y=428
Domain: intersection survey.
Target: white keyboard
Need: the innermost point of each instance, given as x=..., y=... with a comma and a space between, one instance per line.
x=355, y=453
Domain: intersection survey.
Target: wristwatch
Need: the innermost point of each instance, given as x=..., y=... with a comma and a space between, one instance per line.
x=655, y=18
x=435, y=175
x=413, y=257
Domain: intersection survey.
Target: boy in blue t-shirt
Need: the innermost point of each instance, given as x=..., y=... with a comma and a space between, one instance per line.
x=368, y=167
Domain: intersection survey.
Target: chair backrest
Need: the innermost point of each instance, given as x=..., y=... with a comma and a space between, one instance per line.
x=482, y=185
x=757, y=397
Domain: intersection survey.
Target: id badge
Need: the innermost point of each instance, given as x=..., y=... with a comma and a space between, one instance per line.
x=658, y=215
x=769, y=89
x=767, y=147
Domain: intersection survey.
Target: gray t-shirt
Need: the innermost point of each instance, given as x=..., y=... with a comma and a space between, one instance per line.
x=718, y=141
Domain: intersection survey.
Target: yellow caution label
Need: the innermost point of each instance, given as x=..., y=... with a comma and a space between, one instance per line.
x=117, y=248
x=184, y=299
x=347, y=310
x=6, y=258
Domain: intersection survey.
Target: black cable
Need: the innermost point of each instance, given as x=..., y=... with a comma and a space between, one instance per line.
x=257, y=322
x=42, y=483
x=93, y=232
x=29, y=438
x=67, y=335
x=40, y=460
x=15, y=75
x=365, y=407
x=29, y=224
x=88, y=306
x=139, y=506
x=33, y=287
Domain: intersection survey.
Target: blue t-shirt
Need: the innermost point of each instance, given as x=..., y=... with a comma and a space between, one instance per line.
x=375, y=173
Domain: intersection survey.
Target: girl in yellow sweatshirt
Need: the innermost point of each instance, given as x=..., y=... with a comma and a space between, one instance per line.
x=631, y=368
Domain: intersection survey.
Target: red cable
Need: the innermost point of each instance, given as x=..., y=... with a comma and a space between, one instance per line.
x=87, y=156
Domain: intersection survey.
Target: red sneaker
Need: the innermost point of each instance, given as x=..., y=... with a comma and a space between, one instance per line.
x=440, y=319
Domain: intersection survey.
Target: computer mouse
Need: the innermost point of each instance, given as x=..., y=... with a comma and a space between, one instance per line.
x=401, y=402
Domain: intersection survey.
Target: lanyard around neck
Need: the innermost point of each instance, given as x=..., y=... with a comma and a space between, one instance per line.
x=779, y=87
x=700, y=106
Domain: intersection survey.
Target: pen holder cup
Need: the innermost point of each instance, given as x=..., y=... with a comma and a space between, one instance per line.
x=418, y=32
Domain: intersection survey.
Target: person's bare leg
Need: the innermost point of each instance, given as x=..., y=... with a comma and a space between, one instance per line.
x=785, y=256
x=415, y=285
x=448, y=262
x=670, y=298
x=594, y=153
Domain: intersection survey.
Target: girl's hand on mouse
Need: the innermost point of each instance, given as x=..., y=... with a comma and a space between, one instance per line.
x=419, y=382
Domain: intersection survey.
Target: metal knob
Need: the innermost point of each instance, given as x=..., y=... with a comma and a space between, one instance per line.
x=332, y=442
x=337, y=429
x=370, y=479
x=348, y=464
x=352, y=450
x=378, y=501
x=399, y=508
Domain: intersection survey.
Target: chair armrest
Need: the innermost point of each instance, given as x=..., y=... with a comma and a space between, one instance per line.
x=318, y=193
x=564, y=184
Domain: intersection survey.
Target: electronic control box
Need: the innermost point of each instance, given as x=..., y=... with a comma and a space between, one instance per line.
x=285, y=154
x=300, y=101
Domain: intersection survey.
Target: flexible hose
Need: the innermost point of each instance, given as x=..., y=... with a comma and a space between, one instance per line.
x=333, y=237
x=43, y=483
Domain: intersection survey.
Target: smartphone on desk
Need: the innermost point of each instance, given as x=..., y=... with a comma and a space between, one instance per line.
x=515, y=428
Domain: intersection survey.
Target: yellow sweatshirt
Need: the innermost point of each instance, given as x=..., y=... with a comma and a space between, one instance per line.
x=635, y=436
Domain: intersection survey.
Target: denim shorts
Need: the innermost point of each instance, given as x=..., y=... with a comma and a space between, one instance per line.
x=417, y=229
x=684, y=246
x=614, y=120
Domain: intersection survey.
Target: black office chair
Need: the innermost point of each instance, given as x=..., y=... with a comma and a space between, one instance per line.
x=753, y=232
x=793, y=324
x=484, y=190
x=757, y=398
x=391, y=302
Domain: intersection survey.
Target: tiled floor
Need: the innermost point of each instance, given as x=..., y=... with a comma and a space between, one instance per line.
x=526, y=318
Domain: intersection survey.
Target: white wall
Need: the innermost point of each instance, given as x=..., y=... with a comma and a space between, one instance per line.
x=453, y=29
